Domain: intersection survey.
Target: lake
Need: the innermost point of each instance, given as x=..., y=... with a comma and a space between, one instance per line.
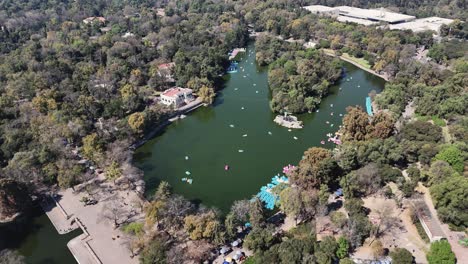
x=238, y=130
x=37, y=239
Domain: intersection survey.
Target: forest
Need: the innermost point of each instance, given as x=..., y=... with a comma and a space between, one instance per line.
x=66, y=85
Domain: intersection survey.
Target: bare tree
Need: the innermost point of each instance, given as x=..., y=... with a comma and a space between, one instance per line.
x=387, y=221
x=114, y=212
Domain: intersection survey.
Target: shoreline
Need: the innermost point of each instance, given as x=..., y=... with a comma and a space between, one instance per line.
x=154, y=131
x=358, y=65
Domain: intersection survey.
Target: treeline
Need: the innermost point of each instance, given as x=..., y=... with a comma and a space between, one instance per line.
x=93, y=86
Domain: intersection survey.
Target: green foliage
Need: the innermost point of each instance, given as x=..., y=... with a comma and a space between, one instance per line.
x=113, y=171
x=449, y=198
x=316, y=168
x=346, y=261
x=364, y=181
x=260, y=239
x=137, y=122
x=401, y=256
x=92, y=147
x=326, y=252
x=204, y=225
x=421, y=231
x=343, y=248
x=421, y=131
x=453, y=156
x=359, y=229
x=154, y=252
x=207, y=94
x=299, y=80
x=338, y=219
x=257, y=213
x=440, y=253
x=134, y=228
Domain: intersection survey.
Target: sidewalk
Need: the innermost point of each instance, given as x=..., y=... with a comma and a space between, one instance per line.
x=460, y=252
x=100, y=243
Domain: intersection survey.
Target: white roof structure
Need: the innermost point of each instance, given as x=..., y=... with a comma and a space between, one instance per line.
x=373, y=14
x=423, y=24
x=319, y=8
x=361, y=21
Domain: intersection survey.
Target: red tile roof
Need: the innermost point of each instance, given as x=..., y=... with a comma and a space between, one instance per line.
x=166, y=65
x=174, y=91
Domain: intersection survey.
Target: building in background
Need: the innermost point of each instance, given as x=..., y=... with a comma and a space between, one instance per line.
x=369, y=17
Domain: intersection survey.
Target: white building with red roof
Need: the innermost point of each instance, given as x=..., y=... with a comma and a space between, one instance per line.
x=177, y=96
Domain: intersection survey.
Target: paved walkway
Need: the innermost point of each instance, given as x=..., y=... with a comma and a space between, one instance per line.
x=101, y=242
x=452, y=237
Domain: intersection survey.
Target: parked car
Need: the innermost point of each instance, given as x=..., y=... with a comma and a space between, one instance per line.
x=224, y=250
x=236, y=243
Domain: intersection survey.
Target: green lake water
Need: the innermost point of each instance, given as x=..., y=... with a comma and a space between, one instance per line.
x=208, y=140
x=37, y=240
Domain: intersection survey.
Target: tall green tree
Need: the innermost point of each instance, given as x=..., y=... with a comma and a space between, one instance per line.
x=441, y=253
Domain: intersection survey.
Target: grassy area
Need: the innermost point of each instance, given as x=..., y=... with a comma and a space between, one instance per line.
x=249, y=260
x=361, y=61
x=421, y=232
x=437, y=120
x=329, y=51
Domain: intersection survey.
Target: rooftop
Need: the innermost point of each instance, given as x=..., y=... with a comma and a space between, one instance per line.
x=373, y=14
x=361, y=21
x=423, y=24
x=166, y=65
x=175, y=91
x=319, y=8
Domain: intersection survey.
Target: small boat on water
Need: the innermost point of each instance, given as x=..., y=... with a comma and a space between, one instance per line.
x=226, y=167
x=322, y=142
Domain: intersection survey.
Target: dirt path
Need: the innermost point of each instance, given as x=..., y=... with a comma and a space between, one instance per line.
x=402, y=234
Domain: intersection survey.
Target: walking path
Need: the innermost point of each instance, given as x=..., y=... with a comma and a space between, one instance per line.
x=100, y=242
x=452, y=237
x=329, y=53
